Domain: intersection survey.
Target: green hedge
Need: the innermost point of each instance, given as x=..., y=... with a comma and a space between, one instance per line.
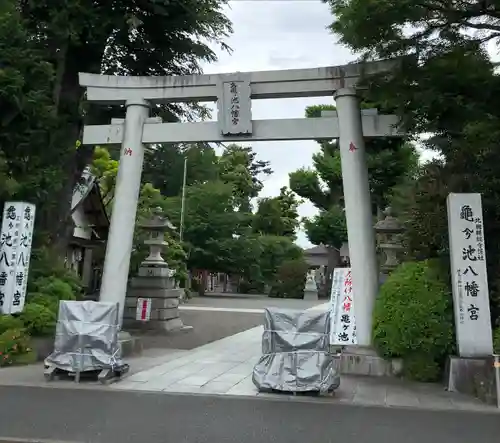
x=290, y=280
x=413, y=319
x=9, y=322
x=38, y=320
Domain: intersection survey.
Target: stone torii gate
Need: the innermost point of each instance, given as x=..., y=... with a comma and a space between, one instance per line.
x=233, y=93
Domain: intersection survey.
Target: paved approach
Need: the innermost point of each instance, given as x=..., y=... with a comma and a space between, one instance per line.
x=100, y=416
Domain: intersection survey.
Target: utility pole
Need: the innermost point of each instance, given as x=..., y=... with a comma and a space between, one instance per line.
x=183, y=199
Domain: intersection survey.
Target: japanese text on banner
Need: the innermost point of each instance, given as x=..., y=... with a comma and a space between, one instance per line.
x=343, y=330
x=15, y=251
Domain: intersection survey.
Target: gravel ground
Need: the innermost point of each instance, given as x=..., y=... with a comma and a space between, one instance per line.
x=208, y=326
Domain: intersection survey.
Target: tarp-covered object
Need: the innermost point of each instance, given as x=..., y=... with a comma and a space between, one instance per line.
x=296, y=357
x=86, y=337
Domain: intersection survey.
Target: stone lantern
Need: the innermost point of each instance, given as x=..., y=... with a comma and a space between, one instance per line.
x=389, y=229
x=152, y=301
x=156, y=226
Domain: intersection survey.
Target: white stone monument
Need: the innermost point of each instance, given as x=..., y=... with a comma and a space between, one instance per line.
x=469, y=276
x=465, y=373
x=235, y=124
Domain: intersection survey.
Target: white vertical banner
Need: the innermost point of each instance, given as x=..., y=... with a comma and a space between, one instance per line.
x=15, y=251
x=469, y=276
x=343, y=328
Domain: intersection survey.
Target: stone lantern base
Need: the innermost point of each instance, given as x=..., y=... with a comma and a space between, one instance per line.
x=154, y=282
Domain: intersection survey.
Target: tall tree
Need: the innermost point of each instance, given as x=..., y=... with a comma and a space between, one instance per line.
x=445, y=85
x=238, y=165
x=164, y=166
x=210, y=223
x=278, y=215
x=30, y=142
x=388, y=160
x=151, y=37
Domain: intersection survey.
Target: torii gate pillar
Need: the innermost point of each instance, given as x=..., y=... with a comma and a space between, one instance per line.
x=122, y=225
x=358, y=211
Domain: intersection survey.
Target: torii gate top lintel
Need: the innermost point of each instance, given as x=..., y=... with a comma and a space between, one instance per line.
x=312, y=82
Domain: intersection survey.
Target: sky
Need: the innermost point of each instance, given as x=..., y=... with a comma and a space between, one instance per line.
x=282, y=34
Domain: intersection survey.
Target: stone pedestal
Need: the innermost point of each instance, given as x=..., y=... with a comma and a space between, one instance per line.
x=154, y=282
x=472, y=376
x=129, y=345
x=311, y=295
x=311, y=289
x=360, y=360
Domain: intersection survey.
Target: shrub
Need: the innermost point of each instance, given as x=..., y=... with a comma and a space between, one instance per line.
x=38, y=320
x=290, y=280
x=251, y=287
x=9, y=322
x=49, y=301
x=55, y=287
x=419, y=367
x=496, y=340
x=46, y=264
x=413, y=318
x=15, y=348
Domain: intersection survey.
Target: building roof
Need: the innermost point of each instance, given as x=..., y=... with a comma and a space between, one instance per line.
x=316, y=250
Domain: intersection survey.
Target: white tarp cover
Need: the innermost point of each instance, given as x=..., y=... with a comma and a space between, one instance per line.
x=86, y=337
x=296, y=357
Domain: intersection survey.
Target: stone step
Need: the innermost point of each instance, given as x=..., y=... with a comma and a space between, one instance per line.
x=130, y=346
x=359, y=364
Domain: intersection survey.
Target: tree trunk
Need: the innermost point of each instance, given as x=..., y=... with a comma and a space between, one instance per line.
x=333, y=262
x=203, y=283
x=68, y=95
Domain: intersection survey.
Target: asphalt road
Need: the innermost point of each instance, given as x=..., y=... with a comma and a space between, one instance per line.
x=112, y=417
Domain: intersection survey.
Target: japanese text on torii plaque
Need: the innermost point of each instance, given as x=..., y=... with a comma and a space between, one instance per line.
x=234, y=105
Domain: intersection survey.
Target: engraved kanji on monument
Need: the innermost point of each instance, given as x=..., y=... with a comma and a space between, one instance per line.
x=154, y=282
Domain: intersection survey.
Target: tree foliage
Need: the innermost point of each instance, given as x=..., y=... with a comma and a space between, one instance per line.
x=238, y=165
x=388, y=161
x=164, y=166
x=45, y=44
x=445, y=85
x=277, y=216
